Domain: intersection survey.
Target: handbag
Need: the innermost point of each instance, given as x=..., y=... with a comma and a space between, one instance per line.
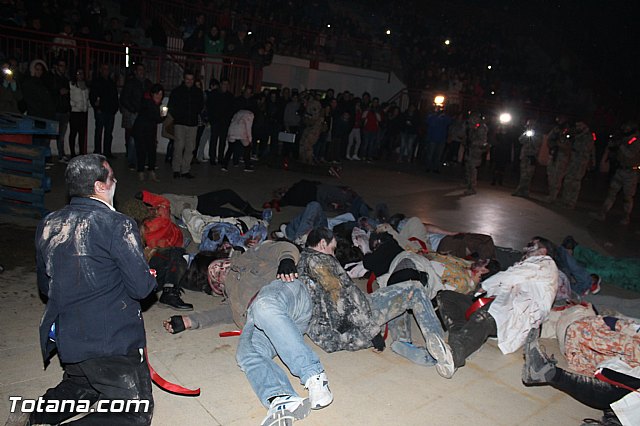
x=168, y=128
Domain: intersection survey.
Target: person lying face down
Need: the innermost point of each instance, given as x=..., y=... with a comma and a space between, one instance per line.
x=345, y=318
x=523, y=297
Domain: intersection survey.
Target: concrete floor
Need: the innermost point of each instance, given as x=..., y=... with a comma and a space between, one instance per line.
x=369, y=388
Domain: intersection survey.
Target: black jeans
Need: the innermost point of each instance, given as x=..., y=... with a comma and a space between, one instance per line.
x=211, y=203
x=237, y=149
x=589, y=390
x=217, y=141
x=103, y=135
x=123, y=377
x=78, y=127
x=465, y=337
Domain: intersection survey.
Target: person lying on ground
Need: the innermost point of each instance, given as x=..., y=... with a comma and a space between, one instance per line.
x=345, y=318
x=332, y=198
x=459, y=244
x=276, y=321
x=523, y=297
x=210, y=203
x=616, y=400
x=239, y=276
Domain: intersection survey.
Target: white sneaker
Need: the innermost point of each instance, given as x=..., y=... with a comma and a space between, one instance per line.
x=349, y=158
x=319, y=393
x=442, y=354
x=355, y=157
x=284, y=410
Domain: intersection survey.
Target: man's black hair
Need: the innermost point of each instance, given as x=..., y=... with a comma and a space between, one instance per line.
x=551, y=248
x=318, y=234
x=82, y=172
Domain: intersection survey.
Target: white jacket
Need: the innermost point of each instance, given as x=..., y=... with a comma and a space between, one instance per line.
x=79, y=98
x=240, y=127
x=524, y=295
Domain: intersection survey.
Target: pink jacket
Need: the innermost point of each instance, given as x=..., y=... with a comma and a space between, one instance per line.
x=240, y=127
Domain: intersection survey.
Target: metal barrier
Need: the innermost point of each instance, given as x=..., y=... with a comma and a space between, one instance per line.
x=162, y=67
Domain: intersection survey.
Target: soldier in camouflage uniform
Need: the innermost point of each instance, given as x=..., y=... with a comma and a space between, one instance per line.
x=627, y=150
x=531, y=141
x=345, y=318
x=583, y=154
x=560, y=142
x=313, y=127
x=476, y=146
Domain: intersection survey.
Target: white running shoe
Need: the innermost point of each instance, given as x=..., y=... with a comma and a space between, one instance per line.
x=319, y=393
x=355, y=158
x=442, y=353
x=284, y=410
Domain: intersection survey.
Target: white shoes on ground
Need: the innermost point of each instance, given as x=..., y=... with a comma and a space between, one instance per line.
x=284, y=410
x=442, y=354
x=319, y=393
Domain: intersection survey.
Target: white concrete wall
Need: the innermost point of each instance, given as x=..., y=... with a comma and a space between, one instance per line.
x=296, y=74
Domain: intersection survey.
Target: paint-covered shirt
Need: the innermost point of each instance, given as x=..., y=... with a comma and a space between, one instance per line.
x=92, y=270
x=341, y=318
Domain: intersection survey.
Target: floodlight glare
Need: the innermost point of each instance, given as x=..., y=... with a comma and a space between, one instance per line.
x=388, y=32
x=505, y=118
x=488, y=67
x=447, y=42
x=328, y=25
x=529, y=133
x=438, y=100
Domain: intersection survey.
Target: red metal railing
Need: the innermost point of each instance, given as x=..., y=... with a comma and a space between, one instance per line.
x=166, y=68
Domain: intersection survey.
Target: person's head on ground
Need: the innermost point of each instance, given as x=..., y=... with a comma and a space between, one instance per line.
x=322, y=240
x=539, y=246
x=91, y=176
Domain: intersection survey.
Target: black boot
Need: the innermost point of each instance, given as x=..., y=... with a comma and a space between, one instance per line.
x=171, y=297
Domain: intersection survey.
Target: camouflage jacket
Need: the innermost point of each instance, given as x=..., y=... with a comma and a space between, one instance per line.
x=341, y=318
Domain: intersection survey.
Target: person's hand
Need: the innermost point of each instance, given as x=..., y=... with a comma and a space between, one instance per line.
x=287, y=271
x=251, y=242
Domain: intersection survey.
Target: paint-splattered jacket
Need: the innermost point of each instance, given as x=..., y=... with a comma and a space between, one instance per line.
x=92, y=270
x=341, y=317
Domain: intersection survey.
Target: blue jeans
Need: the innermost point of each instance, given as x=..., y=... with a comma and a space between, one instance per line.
x=578, y=275
x=311, y=217
x=390, y=304
x=276, y=322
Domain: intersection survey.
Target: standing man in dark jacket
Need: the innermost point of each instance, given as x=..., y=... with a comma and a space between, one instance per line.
x=185, y=104
x=104, y=100
x=220, y=110
x=93, y=313
x=130, y=101
x=59, y=89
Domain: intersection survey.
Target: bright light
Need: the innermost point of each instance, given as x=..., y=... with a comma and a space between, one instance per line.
x=505, y=118
x=438, y=100
x=250, y=32
x=447, y=42
x=493, y=93
x=488, y=67
x=529, y=133
x=126, y=58
x=388, y=32
x=328, y=25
